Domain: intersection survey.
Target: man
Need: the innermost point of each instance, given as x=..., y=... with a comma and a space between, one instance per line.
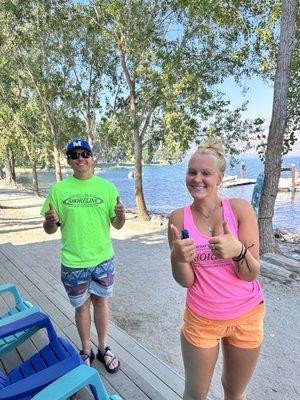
x=83, y=206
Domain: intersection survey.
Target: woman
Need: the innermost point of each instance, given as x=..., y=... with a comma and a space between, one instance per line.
x=218, y=264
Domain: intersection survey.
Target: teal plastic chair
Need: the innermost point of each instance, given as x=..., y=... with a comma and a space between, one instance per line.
x=19, y=310
x=72, y=382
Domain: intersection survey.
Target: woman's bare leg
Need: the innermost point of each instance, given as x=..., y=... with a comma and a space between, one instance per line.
x=199, y=365
x=238, y=368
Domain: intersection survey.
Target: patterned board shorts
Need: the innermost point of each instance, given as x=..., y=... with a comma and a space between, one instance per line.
x=80, y=283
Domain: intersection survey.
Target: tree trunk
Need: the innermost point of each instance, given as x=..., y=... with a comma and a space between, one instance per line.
x=13, y=166
x=89, y=123
x=35, y=182
x=57, y=166
x=277, y=127
x=58, y=173
x=54, y=134
x=138, y=173
x=10, y=175
x=138, y=176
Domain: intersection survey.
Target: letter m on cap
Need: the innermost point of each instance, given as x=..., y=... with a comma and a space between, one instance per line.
x=77, y=144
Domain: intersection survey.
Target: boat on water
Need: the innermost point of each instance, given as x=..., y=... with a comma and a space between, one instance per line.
x=130, y=174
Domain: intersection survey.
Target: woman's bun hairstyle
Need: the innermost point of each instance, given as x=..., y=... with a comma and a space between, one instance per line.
x=215, y=147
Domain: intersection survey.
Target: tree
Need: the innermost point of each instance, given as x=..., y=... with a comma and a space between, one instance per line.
x=278, y=125
x=91, y=59
x=169, y=71
x=7, y=142
x=37, y=40
x=30, y=127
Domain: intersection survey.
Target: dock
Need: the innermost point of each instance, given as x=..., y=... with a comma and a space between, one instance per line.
x=288, y=185
x=238, y=182
x=142, y=376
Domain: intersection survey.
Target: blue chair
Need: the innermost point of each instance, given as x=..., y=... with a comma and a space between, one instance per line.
x=72, y=382
x=50, y=363
x=20, y=309
x=45, y=367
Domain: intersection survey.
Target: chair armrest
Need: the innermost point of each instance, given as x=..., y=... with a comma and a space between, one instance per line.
x=71, y=383
x=21, y=314
x=20, y=325
x=10, y=287
x=40, y=380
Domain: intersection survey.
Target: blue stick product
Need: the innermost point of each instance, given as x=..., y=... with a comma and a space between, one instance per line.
x=184, y=234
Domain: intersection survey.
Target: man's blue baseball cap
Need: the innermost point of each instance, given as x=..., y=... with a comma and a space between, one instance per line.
x=78, y=144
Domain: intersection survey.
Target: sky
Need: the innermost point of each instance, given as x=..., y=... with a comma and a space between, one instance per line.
x=260, y=97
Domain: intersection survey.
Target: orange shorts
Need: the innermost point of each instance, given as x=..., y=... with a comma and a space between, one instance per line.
x=245, y=332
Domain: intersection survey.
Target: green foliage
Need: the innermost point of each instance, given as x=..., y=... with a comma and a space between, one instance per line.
x=172, y=57
x=120, y=70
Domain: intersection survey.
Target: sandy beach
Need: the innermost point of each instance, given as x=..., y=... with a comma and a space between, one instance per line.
x=147, y=302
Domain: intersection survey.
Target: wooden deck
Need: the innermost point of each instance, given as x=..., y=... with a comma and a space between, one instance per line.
x=142, y=376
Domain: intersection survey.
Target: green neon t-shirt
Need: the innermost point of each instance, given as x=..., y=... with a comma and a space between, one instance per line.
x=85, y=208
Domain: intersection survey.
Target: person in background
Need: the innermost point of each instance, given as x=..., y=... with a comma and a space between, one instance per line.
x=84, y=206
x=218, y=263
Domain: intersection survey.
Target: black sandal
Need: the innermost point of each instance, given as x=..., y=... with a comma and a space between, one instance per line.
x=85, y=356
x=102, y=354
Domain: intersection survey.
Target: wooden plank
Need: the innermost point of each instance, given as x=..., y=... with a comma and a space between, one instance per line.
x=10, y=360
x=3, y=305
x=165, y=379
x=53, y=297
x=30, y=282
x=276, y=273
x=165, y=373
x=121, y=385
x=144, y=385
x=283, y=261
x=58, y=317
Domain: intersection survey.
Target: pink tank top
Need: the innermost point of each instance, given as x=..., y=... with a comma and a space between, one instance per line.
x=218, y=293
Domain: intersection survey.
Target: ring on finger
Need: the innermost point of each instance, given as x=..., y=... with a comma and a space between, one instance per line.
x=213, y=247
x=191, y=252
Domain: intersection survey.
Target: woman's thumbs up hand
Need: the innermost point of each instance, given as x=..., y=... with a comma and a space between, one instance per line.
x=226, y=245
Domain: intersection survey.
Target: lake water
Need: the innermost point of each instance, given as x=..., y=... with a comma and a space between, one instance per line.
x=164, y=188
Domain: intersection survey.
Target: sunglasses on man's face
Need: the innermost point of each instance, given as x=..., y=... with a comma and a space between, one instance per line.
x=74, y=155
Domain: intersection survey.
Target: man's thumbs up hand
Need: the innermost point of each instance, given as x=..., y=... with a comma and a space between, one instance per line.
x=50, y=215
x=119, y=208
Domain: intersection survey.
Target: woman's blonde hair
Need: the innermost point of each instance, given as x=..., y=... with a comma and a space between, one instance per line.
x=216, y=148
